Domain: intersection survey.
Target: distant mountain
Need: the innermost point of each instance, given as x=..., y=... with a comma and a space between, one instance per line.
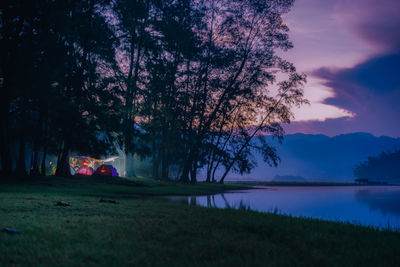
x=320, y=157
x=288, y=178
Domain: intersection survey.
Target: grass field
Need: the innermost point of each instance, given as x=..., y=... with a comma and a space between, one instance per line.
x=138, y=232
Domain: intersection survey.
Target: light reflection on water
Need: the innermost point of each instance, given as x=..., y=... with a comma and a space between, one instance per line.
x=377, y=206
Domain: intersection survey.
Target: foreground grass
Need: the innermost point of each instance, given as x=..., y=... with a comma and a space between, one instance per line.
x=150, y=233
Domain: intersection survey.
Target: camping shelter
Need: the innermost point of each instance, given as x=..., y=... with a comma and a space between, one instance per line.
x=85, y=171
x=106, y=170
x=77, y=162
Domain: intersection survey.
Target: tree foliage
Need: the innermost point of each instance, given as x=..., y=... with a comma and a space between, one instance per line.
x=384, y=167
x=188, y=85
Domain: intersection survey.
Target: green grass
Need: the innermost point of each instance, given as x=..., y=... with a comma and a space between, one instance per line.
x=150, y=233
x=111, y=187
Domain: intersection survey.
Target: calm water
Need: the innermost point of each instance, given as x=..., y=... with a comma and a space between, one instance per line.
x=367, y=205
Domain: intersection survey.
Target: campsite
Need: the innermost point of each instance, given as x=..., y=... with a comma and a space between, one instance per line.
x=85, y=165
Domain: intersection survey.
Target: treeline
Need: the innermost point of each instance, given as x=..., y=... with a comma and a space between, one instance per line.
x=187, y=84
x=385, y=167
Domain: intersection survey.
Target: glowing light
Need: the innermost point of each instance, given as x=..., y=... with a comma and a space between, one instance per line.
x=110, y=159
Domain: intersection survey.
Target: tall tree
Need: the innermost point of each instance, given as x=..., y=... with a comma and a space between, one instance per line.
x=88, y=41
x=133, y=17
x=238, y=68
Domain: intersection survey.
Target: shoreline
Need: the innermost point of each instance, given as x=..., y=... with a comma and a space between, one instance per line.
x=310, y=184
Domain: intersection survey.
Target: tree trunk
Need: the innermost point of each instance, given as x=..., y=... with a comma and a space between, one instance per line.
x=43, y=166
x=154, y=158
x=208, y=179
x=213, y=180
x=164, y=168
x=188, y=160
x=129, y=165
x=157, y=165
x=35, y=162
x=59, y=152
x=193, y=201
x=21, y=165
x=45, y=146
x=186, y=170
x=5, y=153
x=164, y=153
x=193, y=174
x=271, y=110
x=36, y=146
x=164, y=161
x=210, y=164
x=63, y=168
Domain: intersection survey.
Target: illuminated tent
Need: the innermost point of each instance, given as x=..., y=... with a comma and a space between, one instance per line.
x=106, y=170
x=77, y=162
x=85, y=171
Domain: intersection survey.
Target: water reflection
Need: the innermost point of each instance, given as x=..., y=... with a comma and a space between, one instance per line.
x=385, y=200
x=377, y=206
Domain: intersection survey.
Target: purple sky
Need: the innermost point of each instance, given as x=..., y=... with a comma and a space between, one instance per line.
x=350, y=50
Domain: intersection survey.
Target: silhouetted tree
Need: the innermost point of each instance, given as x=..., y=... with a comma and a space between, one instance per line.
x=384, y=167
x=191, y=83
x=51, y=78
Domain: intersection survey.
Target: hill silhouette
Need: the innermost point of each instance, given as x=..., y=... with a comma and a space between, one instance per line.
x=320, y=157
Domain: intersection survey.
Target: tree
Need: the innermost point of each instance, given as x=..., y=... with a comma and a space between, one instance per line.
x=191, y=83
x=384, y=167
x=11, y=34
x=237, y=67
x=133, y=17
x=58, y=48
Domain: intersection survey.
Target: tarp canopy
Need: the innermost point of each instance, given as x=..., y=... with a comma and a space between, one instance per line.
x=85, y=171
x=106, y=170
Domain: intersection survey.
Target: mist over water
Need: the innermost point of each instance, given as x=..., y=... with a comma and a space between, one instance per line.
x=376, y=206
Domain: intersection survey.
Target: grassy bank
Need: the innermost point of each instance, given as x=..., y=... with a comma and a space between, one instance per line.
x=148, y=233
x=111, y=187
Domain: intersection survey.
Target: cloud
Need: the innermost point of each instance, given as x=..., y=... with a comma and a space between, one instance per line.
x=375, y=22
x=318, y=110
x=371, y=90
x=350, y=50
x=376, y=76
x=377, y=123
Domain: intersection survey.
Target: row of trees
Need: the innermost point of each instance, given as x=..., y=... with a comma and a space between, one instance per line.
x=384, y=167
x=187, y=84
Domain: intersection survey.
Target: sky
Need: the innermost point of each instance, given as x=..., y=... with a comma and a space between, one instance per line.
x=350, y=51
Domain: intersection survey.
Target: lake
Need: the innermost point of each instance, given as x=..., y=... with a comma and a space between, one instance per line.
x=377, y=206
